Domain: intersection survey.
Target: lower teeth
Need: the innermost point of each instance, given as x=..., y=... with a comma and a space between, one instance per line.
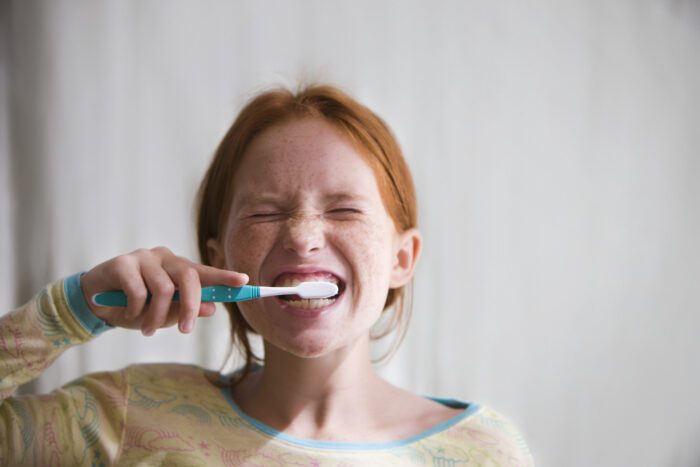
x=310, y=303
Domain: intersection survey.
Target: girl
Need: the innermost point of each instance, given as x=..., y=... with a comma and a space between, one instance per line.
x=306, y=186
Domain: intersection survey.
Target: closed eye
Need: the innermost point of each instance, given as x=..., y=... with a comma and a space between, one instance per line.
x=343, y=213
x=344, y=210
x=265, y=215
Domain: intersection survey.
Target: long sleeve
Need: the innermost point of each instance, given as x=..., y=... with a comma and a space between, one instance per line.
x=81, y=422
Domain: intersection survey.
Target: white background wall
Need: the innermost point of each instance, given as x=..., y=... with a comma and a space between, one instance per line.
x=554, y=147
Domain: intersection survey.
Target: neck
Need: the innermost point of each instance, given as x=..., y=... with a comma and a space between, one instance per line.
x=310, y=397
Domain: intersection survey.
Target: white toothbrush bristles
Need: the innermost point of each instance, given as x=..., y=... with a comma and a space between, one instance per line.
x=317, y=289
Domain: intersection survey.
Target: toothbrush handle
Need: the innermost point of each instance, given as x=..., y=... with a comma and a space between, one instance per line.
x=215, y=293
x=222, y=293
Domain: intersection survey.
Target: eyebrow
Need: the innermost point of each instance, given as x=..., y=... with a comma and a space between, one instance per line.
x=261, y=198
x=346, y=197
x=256, y=198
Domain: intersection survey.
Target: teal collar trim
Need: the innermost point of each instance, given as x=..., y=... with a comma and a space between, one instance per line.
x=469, y=409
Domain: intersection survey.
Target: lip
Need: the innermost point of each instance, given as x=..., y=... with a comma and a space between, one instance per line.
x=306, y=270
x=308, y=312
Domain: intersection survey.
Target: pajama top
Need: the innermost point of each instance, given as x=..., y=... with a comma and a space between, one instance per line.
x=184, y=415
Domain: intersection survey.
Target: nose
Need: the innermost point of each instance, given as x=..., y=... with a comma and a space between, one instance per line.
x=304, y=235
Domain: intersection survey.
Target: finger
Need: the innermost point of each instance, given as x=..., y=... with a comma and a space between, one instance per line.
x=131, y=282
x=210, y=275
x=207, y=309
x=162, y=289
x=186, y=279
x=173, y=314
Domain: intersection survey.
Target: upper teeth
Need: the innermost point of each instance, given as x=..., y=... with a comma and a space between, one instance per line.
x=294, y=281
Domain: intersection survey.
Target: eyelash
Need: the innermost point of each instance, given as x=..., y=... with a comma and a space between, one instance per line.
x=343, y=210
x=264, y=215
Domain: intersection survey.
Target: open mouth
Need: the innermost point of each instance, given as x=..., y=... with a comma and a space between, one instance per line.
x=294, y=279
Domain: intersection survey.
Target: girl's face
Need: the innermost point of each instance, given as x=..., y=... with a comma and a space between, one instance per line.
x=307, y=207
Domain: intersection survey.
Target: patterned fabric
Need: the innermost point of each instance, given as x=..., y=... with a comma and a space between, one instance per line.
x=171, y=414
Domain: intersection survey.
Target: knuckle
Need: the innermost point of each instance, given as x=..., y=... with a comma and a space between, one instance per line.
x=137, y=291
x=188, y=273
x=122, y=262
x=189, y=311
x=161, y=250
x=139, y=255
x=163, y=288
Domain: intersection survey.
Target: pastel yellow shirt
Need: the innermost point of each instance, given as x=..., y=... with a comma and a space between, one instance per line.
x=172, y=414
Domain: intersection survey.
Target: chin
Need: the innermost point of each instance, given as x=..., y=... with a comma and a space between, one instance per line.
x=308, y=347
x=317, y=343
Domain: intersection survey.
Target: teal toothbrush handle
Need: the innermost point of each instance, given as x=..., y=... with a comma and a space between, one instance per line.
x=215, y=293
x=222, y=293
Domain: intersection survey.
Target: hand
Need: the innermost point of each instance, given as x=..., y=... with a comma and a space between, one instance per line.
x=161, y=272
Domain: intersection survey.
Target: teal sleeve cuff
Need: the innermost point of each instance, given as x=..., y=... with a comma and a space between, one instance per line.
x=79, y=307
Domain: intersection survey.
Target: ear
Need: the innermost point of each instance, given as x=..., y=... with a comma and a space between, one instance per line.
x=406, y=251
x=215, y=253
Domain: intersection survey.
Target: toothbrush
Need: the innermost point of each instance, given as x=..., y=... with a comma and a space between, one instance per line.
x=223, y=293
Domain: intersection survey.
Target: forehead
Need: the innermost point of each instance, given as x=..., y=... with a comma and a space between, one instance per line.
x=303, y=156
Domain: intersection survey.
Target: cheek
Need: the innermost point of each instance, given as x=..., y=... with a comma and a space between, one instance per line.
x=368, y=248
x=248, y=246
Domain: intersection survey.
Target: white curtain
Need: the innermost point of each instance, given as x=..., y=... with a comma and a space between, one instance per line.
x=554, y=147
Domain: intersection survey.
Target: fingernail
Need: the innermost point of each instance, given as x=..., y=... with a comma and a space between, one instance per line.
x=147, y=332
x=186, y=325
